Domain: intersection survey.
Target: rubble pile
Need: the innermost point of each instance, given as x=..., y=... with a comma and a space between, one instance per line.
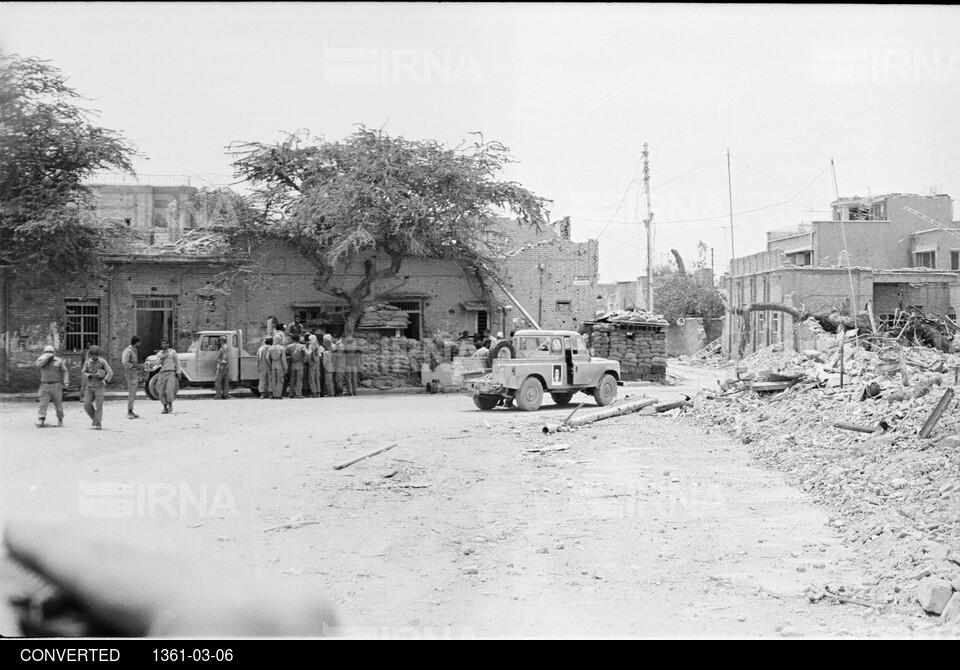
x=636, y=338
x=894, y=494
x=383, y=316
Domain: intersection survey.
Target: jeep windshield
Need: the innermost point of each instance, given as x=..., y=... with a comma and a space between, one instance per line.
x=538, y=347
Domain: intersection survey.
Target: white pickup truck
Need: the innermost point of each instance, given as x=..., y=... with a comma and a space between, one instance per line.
x=199, y=362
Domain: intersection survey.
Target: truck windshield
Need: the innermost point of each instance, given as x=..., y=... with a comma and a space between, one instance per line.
x=194, y=346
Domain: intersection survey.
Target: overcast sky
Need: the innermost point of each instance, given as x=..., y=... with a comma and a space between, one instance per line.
x=573, y=90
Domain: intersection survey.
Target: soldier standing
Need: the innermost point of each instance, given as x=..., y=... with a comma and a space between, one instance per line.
x=313, y=366
x=278, y=366
x=130, y=359
x=168, y=377
x=98, y=373
x=263, y=368
x=340, y=367
x=298, y=356
x=53, y=378
x=327, y=360
x=352, y=364
x=222, y=382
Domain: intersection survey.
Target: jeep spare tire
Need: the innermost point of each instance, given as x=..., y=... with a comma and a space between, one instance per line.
x=502, y=349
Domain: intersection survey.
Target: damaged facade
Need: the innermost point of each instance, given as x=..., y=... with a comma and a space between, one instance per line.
x=885, y=254
x=169, y=289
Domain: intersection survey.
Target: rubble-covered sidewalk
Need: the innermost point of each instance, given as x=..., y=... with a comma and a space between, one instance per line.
x=894, y=495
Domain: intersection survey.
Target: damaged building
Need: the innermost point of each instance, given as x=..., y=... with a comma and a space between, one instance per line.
x=169, y=286
x=883, y=254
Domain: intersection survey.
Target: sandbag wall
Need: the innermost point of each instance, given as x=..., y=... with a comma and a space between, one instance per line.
x=641, y=349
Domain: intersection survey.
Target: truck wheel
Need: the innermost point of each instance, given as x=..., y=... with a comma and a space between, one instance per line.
x=530, y=395
x=502, y=349
x=255, y=390
x=606, y=391
x=150, y=388
x=561, y=399
x=485, y=402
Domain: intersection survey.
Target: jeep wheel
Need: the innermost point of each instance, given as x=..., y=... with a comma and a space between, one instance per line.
x=486, y=402
x=254, y=390
x=561, y=399
x=606, y=391
x=530, y=395
x=150, y=388
x=502, y=349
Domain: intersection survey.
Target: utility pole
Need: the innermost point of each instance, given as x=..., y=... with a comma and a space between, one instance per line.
x=647, y=220
x=733, y=253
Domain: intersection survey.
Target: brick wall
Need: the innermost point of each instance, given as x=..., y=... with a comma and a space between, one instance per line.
x=33, y=314
x=555, y=281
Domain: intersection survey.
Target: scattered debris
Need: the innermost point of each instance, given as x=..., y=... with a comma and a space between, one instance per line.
x=881, y=455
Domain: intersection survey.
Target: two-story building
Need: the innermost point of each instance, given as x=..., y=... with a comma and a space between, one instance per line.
x=881, y=253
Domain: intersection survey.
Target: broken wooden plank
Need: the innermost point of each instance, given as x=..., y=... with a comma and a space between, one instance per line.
x=936, y=413
x=292, y=524
x=854, y=427
x=771, y=386
x=903, y=369
x=341, y=466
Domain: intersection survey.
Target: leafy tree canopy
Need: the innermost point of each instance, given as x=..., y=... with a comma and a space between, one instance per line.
x=375, y=197
x=679, y=295
x=48, y=146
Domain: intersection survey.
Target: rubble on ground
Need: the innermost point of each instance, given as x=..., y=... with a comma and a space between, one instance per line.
x=894, y=495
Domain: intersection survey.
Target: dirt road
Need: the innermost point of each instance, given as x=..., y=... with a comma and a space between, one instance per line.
x=644, y=526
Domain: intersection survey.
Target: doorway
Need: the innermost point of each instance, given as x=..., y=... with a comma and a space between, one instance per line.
x=153, y=323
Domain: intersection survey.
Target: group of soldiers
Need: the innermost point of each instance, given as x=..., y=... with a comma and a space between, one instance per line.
x=296, y=360
x=290, y=360
x=96, y=373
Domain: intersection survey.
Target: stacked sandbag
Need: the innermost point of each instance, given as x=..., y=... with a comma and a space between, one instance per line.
x=384, y=316
x=641, y=349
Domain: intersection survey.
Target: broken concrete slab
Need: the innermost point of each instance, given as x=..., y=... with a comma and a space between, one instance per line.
x=952, y=611
x=933, y=594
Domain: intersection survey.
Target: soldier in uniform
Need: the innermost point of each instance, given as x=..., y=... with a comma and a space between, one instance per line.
x=98, y=374
x=168, y=377
x=327, y=361
x=352, y=364
x=130, y=359
x=278, y=366
x=313, y=366
x=53, y=378
x=263, y=368
x=298, y=356
x=222, y=382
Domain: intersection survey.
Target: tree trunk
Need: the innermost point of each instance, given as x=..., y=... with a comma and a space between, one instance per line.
x=830, y=322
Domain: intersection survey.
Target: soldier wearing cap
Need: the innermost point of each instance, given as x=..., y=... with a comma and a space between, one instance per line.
x=53, y=377
x=168, y=376
x=98, y=374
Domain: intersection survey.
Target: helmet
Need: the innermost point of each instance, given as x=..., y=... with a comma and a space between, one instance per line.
x=95, y=351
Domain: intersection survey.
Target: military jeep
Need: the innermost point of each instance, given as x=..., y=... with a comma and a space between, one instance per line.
x=535, y=362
